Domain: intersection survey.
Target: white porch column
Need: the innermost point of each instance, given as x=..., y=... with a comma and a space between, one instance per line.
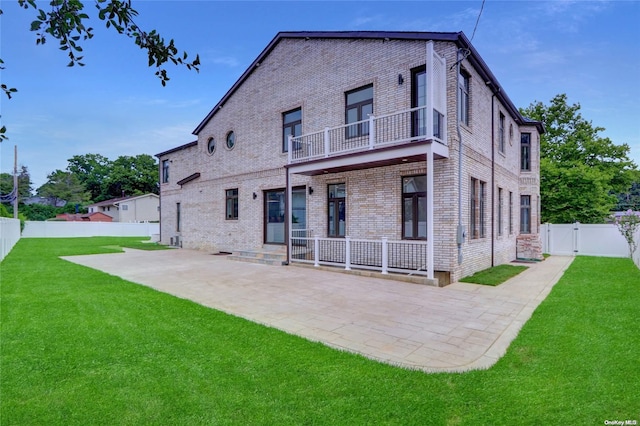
x=289, y=203
x=430, y=244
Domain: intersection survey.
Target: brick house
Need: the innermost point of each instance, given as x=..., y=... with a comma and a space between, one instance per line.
x=391, y=151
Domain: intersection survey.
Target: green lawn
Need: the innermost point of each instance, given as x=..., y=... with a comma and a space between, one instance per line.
x=80, y=347
x=495, y=275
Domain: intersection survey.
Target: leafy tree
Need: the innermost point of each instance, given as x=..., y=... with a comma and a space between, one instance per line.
x=132, y=175
x=630, y=199
x=24, y=183
x=4, y=212
x=38, y=211
x=579, y=169
x=92, y=171
x=64, y=186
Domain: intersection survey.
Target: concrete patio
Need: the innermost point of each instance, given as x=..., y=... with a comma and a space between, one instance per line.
x=456, y=328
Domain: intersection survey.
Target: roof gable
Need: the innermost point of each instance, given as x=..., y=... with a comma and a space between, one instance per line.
x=455, y=37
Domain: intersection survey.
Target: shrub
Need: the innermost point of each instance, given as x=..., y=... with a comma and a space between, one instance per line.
x=628, y=224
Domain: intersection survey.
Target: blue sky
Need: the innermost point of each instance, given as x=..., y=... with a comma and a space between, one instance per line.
x=115, y=105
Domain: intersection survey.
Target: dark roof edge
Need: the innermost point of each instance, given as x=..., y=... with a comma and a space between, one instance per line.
x=391, y=35
x=490, y=80
x=189, y=178
x=178, y=148
x=458, y=37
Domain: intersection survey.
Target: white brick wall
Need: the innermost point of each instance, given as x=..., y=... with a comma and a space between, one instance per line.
x=314, y=75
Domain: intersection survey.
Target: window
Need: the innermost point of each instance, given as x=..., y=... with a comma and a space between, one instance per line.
x=525, y=214
x=165, y=171
x=463, y=97
x=291, y=125
x=414, y=207
x=337, y=210
x=500, y=202
x=510, y=213
x=211, y=145
x=419, y=99
x=359, y=104
x=525, y=152
x=125, y=207
x=501, y=133
x=231, y=204
x=177, y=217
x=438, y=123
x=231, y=140
x=477, y=208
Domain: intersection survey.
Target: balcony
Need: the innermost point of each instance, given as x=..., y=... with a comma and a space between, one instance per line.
x=396, y=136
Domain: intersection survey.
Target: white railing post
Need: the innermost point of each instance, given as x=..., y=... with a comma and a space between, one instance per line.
x=347, y=253
x=290, y=148
x=316, y=249
x=326, y=142
x=372, y=132
x=385, y=255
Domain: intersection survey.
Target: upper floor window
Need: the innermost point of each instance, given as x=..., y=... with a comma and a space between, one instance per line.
x=419, y=100
x=231, y=140
x=165, y=171
x=231, y=201
x=501, y=133
x=291, y=126
x=359, y=105
x=525, y=151
x=463, y=97
x=414, y=207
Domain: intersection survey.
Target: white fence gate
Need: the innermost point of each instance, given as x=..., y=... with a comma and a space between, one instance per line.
x=591, y=240
x=9, y=235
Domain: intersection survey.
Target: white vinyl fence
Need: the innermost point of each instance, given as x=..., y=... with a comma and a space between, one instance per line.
x=9, y=235
x=53, y=229
x=591, y=240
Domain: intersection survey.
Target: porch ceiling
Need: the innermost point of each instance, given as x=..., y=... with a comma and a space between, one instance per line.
x=388, y=156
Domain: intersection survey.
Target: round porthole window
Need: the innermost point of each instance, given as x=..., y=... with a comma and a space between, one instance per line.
x=231, y=140
x=211, y=146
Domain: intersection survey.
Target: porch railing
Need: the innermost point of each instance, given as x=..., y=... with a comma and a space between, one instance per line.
x=381, y=255
x=375, y=132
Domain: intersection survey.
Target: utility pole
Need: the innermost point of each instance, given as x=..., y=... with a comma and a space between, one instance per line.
x=15, y=181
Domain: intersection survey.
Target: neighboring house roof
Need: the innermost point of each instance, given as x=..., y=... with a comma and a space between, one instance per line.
x=90, y=217
x=116, y=201
x=178, y=148
x=456, y=37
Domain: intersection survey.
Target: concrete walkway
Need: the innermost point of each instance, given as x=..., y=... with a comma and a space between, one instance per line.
x=455, y=328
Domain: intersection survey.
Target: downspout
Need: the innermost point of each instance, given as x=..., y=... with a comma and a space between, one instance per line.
x=493, y=177
x=460, y=233
x=289, y=210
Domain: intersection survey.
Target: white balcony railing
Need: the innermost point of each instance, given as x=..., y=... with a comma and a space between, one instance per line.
x=380, y=255
x=376, y=132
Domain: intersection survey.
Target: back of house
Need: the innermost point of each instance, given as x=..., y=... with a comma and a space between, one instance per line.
x=391, y=151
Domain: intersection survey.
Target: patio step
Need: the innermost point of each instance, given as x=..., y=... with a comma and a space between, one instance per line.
x=265, y=256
